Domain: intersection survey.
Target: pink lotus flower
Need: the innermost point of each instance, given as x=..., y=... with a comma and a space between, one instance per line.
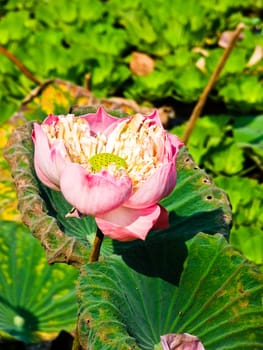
x=116, y=169
x=183, y=341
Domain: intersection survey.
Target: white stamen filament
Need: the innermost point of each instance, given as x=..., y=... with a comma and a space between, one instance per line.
x=135, y=140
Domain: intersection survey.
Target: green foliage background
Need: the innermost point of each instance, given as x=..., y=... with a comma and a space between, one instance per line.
x=70, y=39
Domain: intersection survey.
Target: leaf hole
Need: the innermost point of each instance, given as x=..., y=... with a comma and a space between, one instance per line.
x=206, y=180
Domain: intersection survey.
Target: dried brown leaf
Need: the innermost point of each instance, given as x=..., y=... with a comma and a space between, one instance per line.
x=226, y=38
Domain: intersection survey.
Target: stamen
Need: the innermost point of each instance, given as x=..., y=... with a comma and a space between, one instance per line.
x=135, y=147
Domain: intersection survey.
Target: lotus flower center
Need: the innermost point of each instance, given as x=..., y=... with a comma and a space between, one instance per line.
x=135, y=147
x=103, y=160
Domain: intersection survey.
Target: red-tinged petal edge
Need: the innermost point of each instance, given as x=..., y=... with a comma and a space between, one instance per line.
x=51, y=119
x=155, y=118
x=163, y=220
x=93, y=194
x=126, y=224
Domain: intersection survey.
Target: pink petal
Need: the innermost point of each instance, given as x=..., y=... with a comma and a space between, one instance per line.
x=51, y=119
x=48, y=161
x=162, y=182
x=126, y=224
x=183, y=341
x=175, y=144
x=158, y=186
x=43, y=178
x=102, y=121
x=93, y=194
x=155, y=118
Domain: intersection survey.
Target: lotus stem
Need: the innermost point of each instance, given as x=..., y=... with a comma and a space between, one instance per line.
x=200, y=104
x=20, y=66
x=95, y=251
x=76, y=344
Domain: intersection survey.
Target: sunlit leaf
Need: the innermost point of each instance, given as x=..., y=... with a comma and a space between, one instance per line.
x=248, y=134
x=248, y=240
x=218, y=299
x=246, y=196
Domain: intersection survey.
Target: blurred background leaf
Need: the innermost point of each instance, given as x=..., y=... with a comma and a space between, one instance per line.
x=97, y=37
x=37, y=301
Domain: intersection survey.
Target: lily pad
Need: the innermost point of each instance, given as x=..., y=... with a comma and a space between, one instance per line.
x=218, y=299
x=249, y=241
x=249, y=135
x=37, y=301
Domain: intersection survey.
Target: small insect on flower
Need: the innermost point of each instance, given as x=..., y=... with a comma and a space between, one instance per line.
x=115, y=169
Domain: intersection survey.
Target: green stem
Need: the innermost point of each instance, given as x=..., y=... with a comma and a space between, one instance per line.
x=76, y=344
x=95, y=251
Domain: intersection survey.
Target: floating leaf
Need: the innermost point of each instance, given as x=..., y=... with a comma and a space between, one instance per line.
x=248, y=240
x=36, y=300
x=195, y=198
x=249, y=135
x=228, y=159
x=246, y=196
x=218, y=300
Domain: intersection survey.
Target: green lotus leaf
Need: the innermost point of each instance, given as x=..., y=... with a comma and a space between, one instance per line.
x=195, y=205
x=219, y=299
x=41, y=209
x=37, y=301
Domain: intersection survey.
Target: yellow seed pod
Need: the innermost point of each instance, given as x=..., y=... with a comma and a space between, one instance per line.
x=103, y=160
